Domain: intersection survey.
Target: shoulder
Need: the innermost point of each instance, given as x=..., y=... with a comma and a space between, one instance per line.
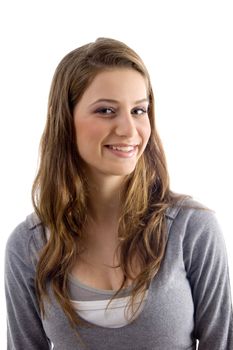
x=27, y=239
x=200, y=234
x=194, y=221
x=188, y=211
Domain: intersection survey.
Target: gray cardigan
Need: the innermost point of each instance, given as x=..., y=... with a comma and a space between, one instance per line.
x=188, y=300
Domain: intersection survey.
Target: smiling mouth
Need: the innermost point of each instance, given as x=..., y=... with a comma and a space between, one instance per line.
x=122, y=148
x=123, y=151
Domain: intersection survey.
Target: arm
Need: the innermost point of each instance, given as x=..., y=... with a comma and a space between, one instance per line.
x=24, y=326
x=207, y=270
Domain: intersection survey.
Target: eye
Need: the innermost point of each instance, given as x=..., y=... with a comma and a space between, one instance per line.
x=105, y=111
x=140, y=110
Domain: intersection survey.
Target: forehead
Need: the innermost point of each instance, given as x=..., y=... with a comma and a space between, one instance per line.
x=122, y=83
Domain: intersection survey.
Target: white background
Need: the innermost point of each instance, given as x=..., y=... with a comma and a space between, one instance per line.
x=188, y=49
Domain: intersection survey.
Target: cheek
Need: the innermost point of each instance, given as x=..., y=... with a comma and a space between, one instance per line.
x=87, y=133
x=146, y=131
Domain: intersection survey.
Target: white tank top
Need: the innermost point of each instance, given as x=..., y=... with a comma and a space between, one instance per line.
x=94, y=311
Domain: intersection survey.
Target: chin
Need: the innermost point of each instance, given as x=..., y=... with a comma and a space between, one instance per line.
x=112, y=170
x=121, y=172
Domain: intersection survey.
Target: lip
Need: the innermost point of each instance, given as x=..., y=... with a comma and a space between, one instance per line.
x=122, y=145
x=122, y=153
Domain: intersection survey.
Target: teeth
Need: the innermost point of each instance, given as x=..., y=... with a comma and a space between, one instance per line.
x=123, y=149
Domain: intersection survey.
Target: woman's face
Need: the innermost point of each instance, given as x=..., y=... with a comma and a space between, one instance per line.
x=111, y=122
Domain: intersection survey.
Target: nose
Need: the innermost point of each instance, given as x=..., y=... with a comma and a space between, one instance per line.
x=125, y=125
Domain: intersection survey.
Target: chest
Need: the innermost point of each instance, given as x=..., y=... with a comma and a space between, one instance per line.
x=166, y=320
x=101, y=271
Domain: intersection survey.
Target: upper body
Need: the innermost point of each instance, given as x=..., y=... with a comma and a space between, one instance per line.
x=106, y=222
x=188, y=299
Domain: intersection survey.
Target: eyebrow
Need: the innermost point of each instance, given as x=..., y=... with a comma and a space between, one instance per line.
x=115, y=101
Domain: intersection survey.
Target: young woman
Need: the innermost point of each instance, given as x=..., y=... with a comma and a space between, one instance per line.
x=111, y=258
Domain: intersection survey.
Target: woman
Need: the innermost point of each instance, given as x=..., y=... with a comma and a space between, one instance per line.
x=111, y=258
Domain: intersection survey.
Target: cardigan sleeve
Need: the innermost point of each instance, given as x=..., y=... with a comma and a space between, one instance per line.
x=206, y=264
x=24, y=326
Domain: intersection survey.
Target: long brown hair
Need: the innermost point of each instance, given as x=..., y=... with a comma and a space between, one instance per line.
x=60, y=190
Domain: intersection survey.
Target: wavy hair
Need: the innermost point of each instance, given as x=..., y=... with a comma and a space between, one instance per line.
x=60, y=190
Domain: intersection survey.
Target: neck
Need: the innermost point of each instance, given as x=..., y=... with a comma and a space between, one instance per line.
x=105, y=199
